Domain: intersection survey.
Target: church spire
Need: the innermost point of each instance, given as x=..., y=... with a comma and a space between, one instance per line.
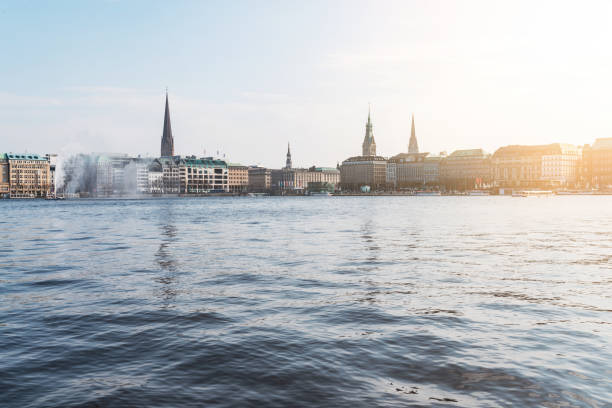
x=413, y=146
x=288, y=162
x=369, y=145
x=167, y=143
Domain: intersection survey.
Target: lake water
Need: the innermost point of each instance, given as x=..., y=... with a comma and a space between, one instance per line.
x=309, y=301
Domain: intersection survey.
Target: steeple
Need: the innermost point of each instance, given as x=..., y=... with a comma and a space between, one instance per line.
x=369, y=145
x=167, y=143
x=413, y=146
x=288, y=162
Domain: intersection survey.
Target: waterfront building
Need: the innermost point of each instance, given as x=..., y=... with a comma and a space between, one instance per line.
x=133, y=178
x=238, y=177
x=288, y=180
x=260, y=179
x=187, y=175
x=139, y=169
x=368, y=147
x=359, y=171
x=52, y=158
x=297, y=180
x=367, y=169
x=596, y=167
x=109, y=174
x=585, y=168
x=406, y=170
x=328, y=176
x=119, y=174
x=167, y=142
x=466, y=170
x=413, y=146
x=203, y=175
x=288, y=163
x=540, y=166
x=300, y=180
x=104, y=176
x=29, y=175
x=155, y=178
x=431, y=169
x=4, y=176
x=169, y=167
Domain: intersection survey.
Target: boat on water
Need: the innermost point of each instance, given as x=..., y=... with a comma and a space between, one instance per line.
x=257, y=194
x=574, y=193
x=478, y=193
x=320, y=193
x=532, y=193
x=428, y=193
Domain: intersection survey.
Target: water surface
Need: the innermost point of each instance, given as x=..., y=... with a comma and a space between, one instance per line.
x=311, y=301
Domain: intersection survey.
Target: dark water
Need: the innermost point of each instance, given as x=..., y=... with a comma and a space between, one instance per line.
x=355, y=302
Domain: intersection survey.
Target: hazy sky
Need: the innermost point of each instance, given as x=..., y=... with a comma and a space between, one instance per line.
x=246, y=77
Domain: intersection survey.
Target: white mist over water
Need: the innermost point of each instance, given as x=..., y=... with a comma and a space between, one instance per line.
x=99, y=174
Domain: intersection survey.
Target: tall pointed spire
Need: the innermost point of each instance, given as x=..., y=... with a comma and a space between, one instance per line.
x=369, y=145
x=413, y=146
x=167, y=142
x=288, y=162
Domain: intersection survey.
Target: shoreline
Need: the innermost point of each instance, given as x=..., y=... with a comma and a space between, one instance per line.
x=265, y=195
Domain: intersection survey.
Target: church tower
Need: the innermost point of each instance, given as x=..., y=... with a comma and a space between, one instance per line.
x=369, y=145
x=288, y=162
x=413, y=146
x=167, y=142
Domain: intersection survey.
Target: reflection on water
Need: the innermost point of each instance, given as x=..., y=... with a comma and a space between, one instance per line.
x=360, y=302
x=165, y=257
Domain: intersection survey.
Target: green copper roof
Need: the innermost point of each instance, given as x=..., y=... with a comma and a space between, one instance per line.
x=205, y=162
x=25, y=156
x=467, y=152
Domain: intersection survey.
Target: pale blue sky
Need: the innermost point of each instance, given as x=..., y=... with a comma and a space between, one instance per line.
x=246, y=77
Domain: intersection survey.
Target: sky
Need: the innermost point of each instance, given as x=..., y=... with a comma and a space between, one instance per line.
x=247, y=77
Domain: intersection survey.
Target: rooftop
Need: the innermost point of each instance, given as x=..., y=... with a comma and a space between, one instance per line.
x=603, y=143
x=204, y=162
x=323, y=169
x=408, y=157
x=433, y=158
x=364, y=159
x=25, y=156
x=527, y=150
x=467, y=152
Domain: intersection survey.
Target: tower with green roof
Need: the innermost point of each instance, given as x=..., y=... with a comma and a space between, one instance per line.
x=369, y=145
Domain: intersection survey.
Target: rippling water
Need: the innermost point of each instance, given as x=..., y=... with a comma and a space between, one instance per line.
x=327, y=301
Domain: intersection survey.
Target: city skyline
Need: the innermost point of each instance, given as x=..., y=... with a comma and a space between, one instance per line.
x=240, y=88
x=284, y=203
